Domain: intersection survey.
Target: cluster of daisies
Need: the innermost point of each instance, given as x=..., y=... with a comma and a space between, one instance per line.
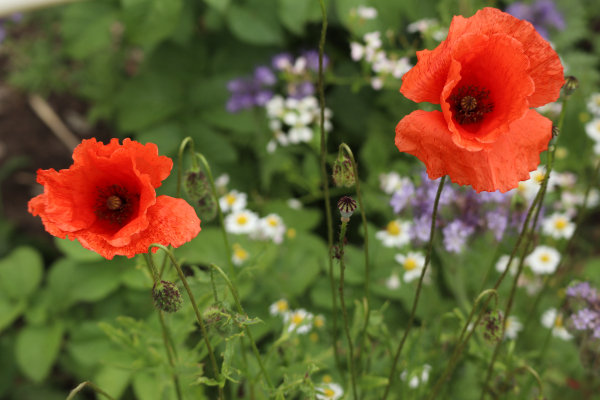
x=299, y=321
x=592, y=128
x=240, y=220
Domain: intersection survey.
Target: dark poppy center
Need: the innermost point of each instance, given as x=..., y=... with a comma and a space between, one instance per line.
x=471, y=104
x=114, y=204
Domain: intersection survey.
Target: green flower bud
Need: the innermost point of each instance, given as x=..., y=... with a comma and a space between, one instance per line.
x=491, y=325
x=343, y=175
x=198, y=190
x=218, y=317
x=571, y=83
x=166, y=296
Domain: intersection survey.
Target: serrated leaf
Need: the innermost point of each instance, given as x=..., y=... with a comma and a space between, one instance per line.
x=242, y=320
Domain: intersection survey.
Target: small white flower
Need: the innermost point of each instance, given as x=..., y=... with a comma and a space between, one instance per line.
x=552, y=109
x=275, y=125
x=558, y=226
x=396, y=234
x=530, y=187
x=373, y=40
x=239, y=255
x=593, y=104
x=300, y=134
x=280, y=307
x=543, y=260
x=300, y=320
x=271, y=146
x=392, y=182
x=233, y=201
x=309, y=104
x=593, y=198
x=222, y=181
x=414, y=382
x=381, y=64
x=401, y=66
x=393, y=282
x=357, y=51
x=299, y=66
x=271, y=227
x=366, y=12
x=413, y=264
x=425, y=373
x=512, y=327
x=593, y=129
x=243, y=221
x=275, y=107
x=376, y=83
x=421, y=25
x=329, y=391
x=553, y=319
x=294, y=204
x=503, y=261
x=440, y=34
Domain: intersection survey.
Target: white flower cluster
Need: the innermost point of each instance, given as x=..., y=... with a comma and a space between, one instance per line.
x=416, y=377
x=592, y=128
x=428, y=27
x=300, y=321
x=381, y=65
x=299, y=118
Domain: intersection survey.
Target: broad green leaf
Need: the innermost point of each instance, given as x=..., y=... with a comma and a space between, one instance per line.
x=293, y=14
x=75, y=251
x=150, y=386
x=9, y=311
x=112, y=380
x=219, y=5
x=86, y=28
x=21, y=272
x=37, y=348
x=250, y=25
x=150, y=21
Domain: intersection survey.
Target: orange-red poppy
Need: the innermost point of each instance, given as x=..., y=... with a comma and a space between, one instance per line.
x=486, y=75
x=107, y=201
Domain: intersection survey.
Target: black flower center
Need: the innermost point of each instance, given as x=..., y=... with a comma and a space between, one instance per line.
x=114, y=204
x=471, y=104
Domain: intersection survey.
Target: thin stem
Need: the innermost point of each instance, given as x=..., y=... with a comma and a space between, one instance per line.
x=180, y=161
x=416, y=300
x=170, y=350
x=220, y=212
x=343, y=303
x=214, y=285
x=213, y=361
x=90, y=384
x=325, y=178
x=366, y=250
x=241, y=311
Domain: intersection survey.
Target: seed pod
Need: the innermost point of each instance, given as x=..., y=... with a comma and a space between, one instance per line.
x=166, y=296
x=491, y=325
x=343, y=175
x=346, y=205
x=571, y=83
x=198, y=190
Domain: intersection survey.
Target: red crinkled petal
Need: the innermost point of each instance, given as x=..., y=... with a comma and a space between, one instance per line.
x=509, y=161
x=147, y=160
x=426, y=80
x=36, y=206
x=171, y=222
x=496, y=63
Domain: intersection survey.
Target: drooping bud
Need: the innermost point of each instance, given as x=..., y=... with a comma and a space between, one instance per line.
x=343, y=175
x=198, y=190
x=346, y=206
x=571, y=83
x=166, y=296
x=555, y=131
x=491, y=324
x=218, y=317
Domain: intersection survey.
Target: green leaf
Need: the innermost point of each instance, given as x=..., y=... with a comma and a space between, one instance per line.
x=230, y=343
x=86, y=28
x=293, y=14
x=219, y=5
x=37, y=348
x=112, y=380
x=242, y=320
x=149, y=386
x=252, y=26
x=368, y=382
x=75, y=251
x=150, y=21
x=9, y=311
x=21, y=272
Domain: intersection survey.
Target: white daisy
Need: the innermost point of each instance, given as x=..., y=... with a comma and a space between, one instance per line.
x=396, y=234
x=413, y=264
x=593, y=129
x=529, y=188
x=233, y=201
x=503, y=262
x=243, y=221
x=393, y=282
x=558, y=226
x=239, y=255
x=553, y=319
x=366, y=12
x=300, y=320
x=280, y=307
x=329, y=391
x=593, y=104
x=512, y=327
x=271, y=227
x=294, y=204
x=543, y=260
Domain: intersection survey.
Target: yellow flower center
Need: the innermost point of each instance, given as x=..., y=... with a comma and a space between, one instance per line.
x=327, y=379
x=319, y=322
x=539, y=177
x=393, y=228
x=598, y=124
x=314, y=337
x=329, y=393
x=410, y=264
x=545, y=258
x=297, y=319
x=291, y=233
x=558, y=322
x=230, y=199
x=560, y=223
x=242, y=219
x=282, y=305
x=240, y=253
x=273, y=222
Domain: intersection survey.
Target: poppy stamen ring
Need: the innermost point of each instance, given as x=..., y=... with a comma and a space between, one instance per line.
x=469, y=104
x=114, y=204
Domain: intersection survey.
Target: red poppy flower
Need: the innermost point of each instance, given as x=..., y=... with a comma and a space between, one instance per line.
x=486, y=75
x=106, y=200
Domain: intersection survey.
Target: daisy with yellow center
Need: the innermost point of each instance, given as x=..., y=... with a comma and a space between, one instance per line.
x=280, y=307
x=396, y=234
x=543, y=260
x=559, y=226
x=243, y=221
x=239, y=254
x=412, y=263
x=233, y=201
x=299, y=320
x=529, y=188
x=553, y=319
x=272, y=228
x=320, y=321
x=329, y=391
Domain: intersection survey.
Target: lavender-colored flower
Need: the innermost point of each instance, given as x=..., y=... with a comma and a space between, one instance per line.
x=401, y=197
x=262, y=97
x=301, y=90
x=421, y=229
x=16, y=17
x=312, y=60
x=282, y=61
x=264, y=76
x=597, y=332
x=496, y=222
x=456, y=234
x=543, y=14
x=425, y=194
x=249, y=92
x=583, y=290
x=585, y=319
x=493, y=197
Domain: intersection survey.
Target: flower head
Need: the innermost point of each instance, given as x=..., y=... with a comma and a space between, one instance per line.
x=486, y=75
x=299, y=320
x=413, y=264
x=107, y=201
x=543, y=260
x=243, y=221
x=558, y=226
x=554, y=320
x=502, y=263
x=280, y=307
x=233, y=201
x=329, y=391
x=239, y=254
x=396, y=234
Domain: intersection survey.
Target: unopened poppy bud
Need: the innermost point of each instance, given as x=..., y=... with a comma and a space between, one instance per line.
x=555, y=131
x=570, y=85
x=166, y=296
x=492, y=326
x=218, y=317
x=343, y=175
x=198, y=190
x=346, y=206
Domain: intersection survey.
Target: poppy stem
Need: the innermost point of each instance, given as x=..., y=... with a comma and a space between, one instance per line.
x=90, y=384
x=325, y=178
x=196, y=310
x=170, y=347
x=343, y=303
x=420, y=283
x=248, y=332
x=363, y=340
x=180, y=161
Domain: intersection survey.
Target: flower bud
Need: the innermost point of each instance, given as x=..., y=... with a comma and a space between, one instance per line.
x=166, y=296
x=218, y=317
x=346, y=206
x=570, y=85
x=198, y=190
x=343, y=175
x=492, y=326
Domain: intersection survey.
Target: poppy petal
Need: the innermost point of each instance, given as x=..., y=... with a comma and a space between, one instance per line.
x=425, y=81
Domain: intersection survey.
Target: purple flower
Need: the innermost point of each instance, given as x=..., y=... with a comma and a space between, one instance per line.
x=496, y=222
x=421, y=229
x=250, y=92
x=584, y=319
x=301, y=90
x=263, y=75
x=282, y=61
x=424, y=198
x=597, y=332
x=401, y=197
x=456, y=234
x=583, y=290
x=541, y=13
x=493, y=197
x=312, y=60
x=262, y=97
